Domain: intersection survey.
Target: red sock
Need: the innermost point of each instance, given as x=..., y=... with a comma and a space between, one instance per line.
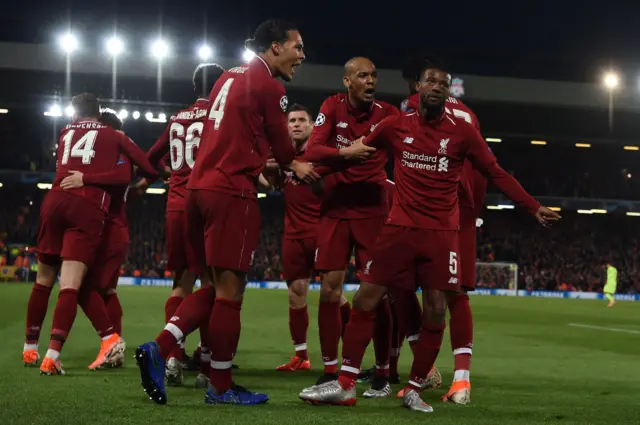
x=298, y=325
x=63, y=317
x=36, y=311
x=396, y=343
x=205, y=351
x=356, y=339
x=224, y=334
x=427, y=349
x=382, y=337
x=93, y=306
x=170, y=308
x=192, y=311
x=330, y=329
x=461, y=330
x=345, y=312
x=114, y=309
x=409, y=314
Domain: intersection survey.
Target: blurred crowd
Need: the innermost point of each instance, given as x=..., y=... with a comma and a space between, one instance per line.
x=568, y=256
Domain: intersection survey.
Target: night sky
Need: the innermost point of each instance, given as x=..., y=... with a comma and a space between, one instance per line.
x=561, y=40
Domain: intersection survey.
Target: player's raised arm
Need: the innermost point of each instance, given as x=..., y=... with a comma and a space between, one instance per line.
x=483, y=159
x=137, y=156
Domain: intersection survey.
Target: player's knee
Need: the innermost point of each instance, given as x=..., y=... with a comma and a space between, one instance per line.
x=331, y=287
x=298, y=290
x=368, y=296
x=229, y=284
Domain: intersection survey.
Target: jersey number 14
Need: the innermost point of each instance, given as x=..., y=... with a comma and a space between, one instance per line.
x=81, y=148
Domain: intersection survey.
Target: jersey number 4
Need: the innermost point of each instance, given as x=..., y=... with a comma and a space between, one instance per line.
x=81, y=148
x=181, y=152
x=216, y=113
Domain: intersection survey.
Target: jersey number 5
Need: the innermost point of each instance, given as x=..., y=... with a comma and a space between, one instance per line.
x=216, y=113
x=184, y=152
x=82, y=148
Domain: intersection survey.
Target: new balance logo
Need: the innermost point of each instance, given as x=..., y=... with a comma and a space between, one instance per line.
x=373, y=127
x=342, y=124
x=443, y=165
x=408, y=140
x=453, y=280
x=174, y=319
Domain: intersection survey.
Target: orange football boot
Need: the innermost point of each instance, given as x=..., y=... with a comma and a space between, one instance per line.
x=295, y=363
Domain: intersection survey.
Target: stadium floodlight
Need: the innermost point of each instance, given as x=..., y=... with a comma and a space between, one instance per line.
x=136, y=115
x=556, y=209
x=68, y=111
x=123, y=114
x=162, y=117
x=247, y=55
x=262, y=195
x=611, y=80
x=538, y=142
x=1, y=184
x=4, y=111
x=148, y=116
x=493, y=140
x=629, y=213
x=44, y=186
x=583, y=145
x=205, y=52
x=632, y=148
x=156, y=191
x=114, y=46
x=506, y=207
x=159, y=49
x=54, y=111
x=68, y=42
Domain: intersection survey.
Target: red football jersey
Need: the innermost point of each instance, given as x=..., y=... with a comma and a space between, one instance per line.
x=357, y=192
x=116, y=183
x=390, y=190
x=473, y=185
x=429, y=157
x=247, y=120
x=181, y=140
x=92, y=147
x=302, y=210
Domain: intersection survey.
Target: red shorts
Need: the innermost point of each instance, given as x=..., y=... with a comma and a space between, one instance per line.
x=337, y=238
x=297, y=258
x=467, y=249
x=70, y=229
x=105, y=270
x=223, y=230
x=179, y=255
x=408, y=258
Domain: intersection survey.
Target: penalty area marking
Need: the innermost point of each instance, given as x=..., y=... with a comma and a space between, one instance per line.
x=602, y=328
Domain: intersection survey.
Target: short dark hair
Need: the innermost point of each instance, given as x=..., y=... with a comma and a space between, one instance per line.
x=111, y=119
x=296, y=107
x=273, y=30
x=86, y=105
x=415, y=66
x=205, y=76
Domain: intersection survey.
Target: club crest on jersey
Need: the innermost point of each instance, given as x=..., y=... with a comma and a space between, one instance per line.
x=443, y=146
x=320, y=120
x=457, y=88
x=373, y=127
x=284, y=103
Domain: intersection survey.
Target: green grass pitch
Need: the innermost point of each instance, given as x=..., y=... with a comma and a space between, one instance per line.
x=529, y=366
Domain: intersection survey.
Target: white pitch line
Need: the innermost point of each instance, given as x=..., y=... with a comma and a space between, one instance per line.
x=602, y=328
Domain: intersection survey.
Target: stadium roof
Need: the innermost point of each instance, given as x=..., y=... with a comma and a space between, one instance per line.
x=327, y=78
